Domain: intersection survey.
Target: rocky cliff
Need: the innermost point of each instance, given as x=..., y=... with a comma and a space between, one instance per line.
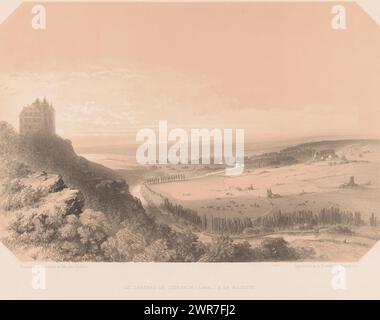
x=102, y=188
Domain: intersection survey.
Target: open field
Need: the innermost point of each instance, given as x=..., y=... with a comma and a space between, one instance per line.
x=312, y=185
x=327, y=244
x=309, y=186
x=320, y=244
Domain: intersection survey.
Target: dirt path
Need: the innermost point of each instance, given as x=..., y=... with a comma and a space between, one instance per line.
x=136, y=192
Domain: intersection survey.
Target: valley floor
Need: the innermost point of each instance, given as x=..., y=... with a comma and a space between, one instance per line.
x=307, y=186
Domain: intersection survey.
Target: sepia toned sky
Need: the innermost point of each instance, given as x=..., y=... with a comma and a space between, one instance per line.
x=277, y=70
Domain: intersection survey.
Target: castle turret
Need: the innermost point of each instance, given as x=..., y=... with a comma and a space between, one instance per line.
x=37, y=118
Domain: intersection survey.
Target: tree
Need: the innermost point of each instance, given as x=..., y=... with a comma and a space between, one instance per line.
x=187, y=248
x=124, y=246
x=158, y=251
x=373, y=220
x=93, y=231
x=221, y=250
x=243, y=252
x=275, y=249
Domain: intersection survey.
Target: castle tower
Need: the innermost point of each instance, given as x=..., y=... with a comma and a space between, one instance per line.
x=37, y=118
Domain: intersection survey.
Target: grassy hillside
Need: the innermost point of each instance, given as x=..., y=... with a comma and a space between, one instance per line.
x=102, y=188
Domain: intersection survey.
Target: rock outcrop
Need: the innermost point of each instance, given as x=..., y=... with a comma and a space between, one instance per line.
x=102, y=188
x=40, y=192
x=47, y=183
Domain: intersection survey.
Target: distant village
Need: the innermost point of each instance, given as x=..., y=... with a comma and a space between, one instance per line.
x=291, y=156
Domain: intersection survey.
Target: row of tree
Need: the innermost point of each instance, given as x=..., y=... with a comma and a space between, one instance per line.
x=165, y=179
x=180, y=212
x=219, y=225
x=306, y=218
x=278, y=220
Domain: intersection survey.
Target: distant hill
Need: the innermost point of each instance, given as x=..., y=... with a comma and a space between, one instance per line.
x=333, y=144
x=306, y=152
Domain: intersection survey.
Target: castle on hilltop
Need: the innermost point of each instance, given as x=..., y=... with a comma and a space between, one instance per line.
x=37, y=118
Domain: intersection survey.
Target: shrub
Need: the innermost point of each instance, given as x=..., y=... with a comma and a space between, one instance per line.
x=186, y=247
x=342, y=230
x=158, y=251
x=223, y=249
x=26, y=197
x=124, y=246
x=275, y=249
x=250, y=230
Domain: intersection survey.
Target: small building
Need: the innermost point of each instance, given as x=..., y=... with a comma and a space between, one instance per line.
x=327, y=154
x=37, y=118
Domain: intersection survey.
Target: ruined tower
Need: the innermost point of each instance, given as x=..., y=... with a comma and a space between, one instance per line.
x=37, y=118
